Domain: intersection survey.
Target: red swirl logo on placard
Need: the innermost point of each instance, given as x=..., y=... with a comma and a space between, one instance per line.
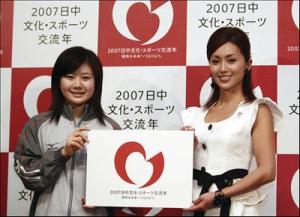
x=128, y=148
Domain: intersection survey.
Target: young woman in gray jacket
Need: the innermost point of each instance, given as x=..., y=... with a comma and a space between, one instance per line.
x=50, y=157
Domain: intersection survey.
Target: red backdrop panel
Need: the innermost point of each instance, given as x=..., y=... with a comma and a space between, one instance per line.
x=6, y=22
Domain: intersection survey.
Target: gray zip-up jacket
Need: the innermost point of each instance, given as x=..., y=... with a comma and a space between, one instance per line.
x=58, y=182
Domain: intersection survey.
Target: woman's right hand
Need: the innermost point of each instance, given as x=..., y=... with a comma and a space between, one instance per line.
x=189, y=128
x=75, y=141
x=203, y=203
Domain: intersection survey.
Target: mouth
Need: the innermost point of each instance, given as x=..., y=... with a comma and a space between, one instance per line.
x=224, y=78
x=77, y=94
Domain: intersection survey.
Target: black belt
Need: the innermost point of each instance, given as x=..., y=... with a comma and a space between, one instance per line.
x=226, y=179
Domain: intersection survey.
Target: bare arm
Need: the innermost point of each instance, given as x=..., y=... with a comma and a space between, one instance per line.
x=264, y=151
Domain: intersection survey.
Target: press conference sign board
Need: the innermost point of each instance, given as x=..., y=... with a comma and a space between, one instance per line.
x=138, y=168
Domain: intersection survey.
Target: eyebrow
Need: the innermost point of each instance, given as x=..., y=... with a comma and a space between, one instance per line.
x=84, y=73
x=229, y=55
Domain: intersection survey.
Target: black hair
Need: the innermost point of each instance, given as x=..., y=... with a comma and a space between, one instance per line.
x=68, y=62
x=239, y=38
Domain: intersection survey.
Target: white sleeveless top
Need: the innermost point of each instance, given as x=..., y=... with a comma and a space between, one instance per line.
x=226, y=145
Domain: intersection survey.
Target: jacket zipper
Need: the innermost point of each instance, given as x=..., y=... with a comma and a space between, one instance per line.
x=76, y=126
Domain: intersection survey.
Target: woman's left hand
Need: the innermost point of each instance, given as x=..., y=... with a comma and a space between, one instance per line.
x=189, y=128
x=84, y=205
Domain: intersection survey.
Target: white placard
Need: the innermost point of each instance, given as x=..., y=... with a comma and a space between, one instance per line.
x=136, y=168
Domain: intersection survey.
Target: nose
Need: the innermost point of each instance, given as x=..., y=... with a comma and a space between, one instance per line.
x=223, y=66
x=77, y=82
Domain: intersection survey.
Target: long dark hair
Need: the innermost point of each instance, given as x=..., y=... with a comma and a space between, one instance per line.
x=68, y=62
x=238, y=37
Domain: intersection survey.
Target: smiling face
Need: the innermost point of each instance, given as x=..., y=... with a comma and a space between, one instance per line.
x=78, y=87
x=227, y=65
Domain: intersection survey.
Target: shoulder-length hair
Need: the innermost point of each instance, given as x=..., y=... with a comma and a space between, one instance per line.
x=68, y=62
x=238, y=37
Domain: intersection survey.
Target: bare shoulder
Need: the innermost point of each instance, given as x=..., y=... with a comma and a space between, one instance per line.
x=264, y=115
x=263, y=110
x=264, y=121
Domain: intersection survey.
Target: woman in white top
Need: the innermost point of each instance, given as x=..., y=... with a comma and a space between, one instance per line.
x=230, y=128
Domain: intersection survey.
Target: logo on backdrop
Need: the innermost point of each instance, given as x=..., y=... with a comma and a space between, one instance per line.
x=164, y=14
x=288, y=24
x=295, y=188
x=32, y=93
x=122, y=155
x=295, y=12
x=287, y=185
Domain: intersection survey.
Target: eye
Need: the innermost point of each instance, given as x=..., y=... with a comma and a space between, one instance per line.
x=232, y=60
x=214, y=61
x=86, y=78
x=69, y=76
